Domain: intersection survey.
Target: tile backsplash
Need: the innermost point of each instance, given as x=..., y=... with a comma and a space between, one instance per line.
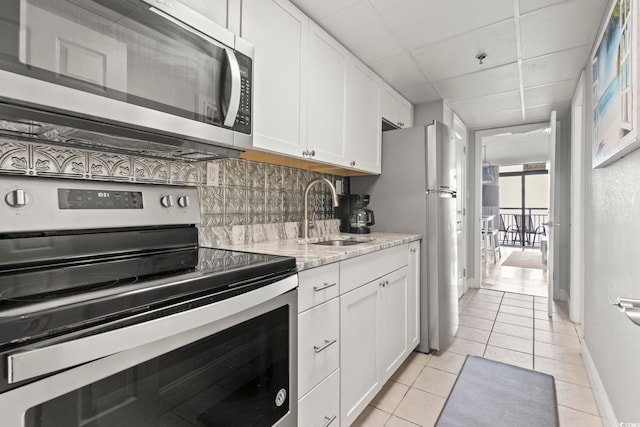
x=241, y=200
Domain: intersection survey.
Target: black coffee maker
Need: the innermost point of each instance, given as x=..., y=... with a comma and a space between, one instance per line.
x=354, y=215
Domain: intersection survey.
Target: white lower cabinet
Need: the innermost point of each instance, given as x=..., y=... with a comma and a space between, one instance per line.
x=413, y=296
x=373, y=331
x=393, y=322
x=350, y=345
x=321, y=406
x=360, y=357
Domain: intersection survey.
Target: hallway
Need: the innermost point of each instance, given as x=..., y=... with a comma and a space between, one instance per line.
x=508, y=327
x=529, y=281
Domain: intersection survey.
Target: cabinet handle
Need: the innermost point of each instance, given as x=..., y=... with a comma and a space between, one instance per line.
x=312, y=153
x=305, y=153
x=328, y=420
x=384, y=283
x=400, y=124
x=413, y=250
x=327, y=343
x=323, y=287
x=353, y=163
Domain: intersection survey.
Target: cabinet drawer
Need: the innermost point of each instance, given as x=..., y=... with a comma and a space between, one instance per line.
x=318, y=344
x=357, y=271
x=317, y=285
x=321, y=406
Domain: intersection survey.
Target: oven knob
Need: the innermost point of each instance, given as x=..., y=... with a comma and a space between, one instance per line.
x=184, y=201
x=17, y=198
x=166, y=201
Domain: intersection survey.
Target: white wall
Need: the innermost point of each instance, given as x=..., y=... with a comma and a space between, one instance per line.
x=612, y=251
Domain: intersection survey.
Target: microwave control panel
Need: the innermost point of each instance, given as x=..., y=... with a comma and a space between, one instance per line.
x=243, y=120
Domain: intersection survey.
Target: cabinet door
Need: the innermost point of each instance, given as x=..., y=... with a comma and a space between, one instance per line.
x=364, y=127
x=393, y=321
x=215, y=10
x=405, y=113
x=279, y=33
x=360, y=377
x=326, y=135
x=389, y=106
x=413, y=296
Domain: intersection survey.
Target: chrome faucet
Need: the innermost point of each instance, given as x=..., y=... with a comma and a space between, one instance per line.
x=334, y=199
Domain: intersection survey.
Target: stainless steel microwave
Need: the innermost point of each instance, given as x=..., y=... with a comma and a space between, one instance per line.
x=152, y=65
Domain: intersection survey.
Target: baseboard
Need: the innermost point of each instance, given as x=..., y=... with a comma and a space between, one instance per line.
x=607, y=414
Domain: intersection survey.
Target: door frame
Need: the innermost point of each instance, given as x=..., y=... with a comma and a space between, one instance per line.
x=460, y=130
x=475, y=224
x=577, y=222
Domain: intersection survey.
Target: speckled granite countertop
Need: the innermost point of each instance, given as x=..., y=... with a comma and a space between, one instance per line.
x=310, y=255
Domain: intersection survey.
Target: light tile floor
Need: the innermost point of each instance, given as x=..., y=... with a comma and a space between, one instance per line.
x=508, y=327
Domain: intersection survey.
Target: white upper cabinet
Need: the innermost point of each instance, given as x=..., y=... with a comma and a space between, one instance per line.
x=364, y=128
x=395, y=108
x=326, y=133
x=215, y=10
x=279, y=31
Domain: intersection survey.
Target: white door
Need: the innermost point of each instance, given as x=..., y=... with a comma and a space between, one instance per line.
x=364, y=127
x=326, y=136
x=551, y=224
x=460, y=132
x=577, y=204
x=393, y=321
x=413, y=296
x=279, y=32
x=360, y=377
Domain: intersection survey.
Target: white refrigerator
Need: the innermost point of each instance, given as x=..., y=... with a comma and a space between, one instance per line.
x=416, y=193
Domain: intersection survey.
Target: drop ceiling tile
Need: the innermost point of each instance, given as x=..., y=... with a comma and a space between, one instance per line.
x=542, y=113
x=563, y=65
x=484, y=120
x=562, y=26
x=456, y=56
x=319, y=9
x=551, y=94
x=400, y=71
x=485, y=82
x=420, y=22
x=362, y=31
x=527, y=6
x=420, y=94
x=485, y=104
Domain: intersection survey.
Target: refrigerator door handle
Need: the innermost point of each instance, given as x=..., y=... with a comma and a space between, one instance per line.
x=443, y=193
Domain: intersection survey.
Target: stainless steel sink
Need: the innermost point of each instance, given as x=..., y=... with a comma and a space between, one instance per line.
x=349, y=241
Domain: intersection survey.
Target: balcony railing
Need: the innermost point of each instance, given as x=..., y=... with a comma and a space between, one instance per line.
x=515, y=232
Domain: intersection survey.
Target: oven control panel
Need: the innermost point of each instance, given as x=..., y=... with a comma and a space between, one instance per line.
x=39, y=204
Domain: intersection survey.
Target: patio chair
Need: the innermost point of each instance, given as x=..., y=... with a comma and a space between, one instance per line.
x=506, y=231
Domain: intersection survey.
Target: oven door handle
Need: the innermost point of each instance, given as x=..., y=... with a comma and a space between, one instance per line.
x=26, y=364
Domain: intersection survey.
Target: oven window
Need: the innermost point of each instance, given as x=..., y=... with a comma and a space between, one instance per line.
x=237, y=377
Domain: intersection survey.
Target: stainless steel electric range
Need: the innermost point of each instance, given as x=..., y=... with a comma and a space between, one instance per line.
x=112, y=315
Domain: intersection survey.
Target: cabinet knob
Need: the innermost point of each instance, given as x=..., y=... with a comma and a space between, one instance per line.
x=312, y=153
x=353, y=163
x=401, y=124
x=305, y=153
x=413, y=250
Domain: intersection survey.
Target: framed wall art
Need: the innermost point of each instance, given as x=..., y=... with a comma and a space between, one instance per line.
x=614, y=64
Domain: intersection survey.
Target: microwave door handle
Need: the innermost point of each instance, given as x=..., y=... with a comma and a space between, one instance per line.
x=236, y=86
